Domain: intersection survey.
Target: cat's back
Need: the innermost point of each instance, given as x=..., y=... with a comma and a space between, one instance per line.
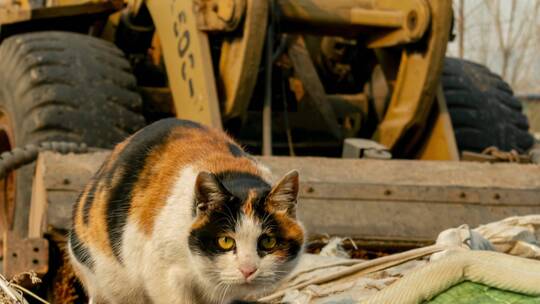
x=134, y=183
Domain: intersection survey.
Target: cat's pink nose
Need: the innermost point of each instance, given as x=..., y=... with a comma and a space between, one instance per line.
x=247, y=271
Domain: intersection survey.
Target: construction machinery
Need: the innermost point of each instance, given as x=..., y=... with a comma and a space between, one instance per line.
x=284, y=77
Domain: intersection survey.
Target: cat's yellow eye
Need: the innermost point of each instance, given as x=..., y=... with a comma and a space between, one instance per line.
x=225, y=242
x=268, y=242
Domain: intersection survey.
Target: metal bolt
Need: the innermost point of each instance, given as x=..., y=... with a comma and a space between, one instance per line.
x=412, y=20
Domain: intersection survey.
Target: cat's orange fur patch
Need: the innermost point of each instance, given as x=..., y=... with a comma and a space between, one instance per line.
x=164, y=165
x=291, y=229
x=95, y=233
x=199, y=223
x=98, y=223
x=248, y=205
x=78, y=216
x=151, y=192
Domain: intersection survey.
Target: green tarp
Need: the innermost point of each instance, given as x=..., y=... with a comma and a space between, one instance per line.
x=473, y=293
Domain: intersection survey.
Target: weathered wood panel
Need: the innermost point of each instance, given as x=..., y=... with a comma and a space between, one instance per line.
x=58, y=181
x=373, y=199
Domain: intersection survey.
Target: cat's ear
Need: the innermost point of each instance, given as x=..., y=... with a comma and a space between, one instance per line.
x=209, y=192
x=284, y=194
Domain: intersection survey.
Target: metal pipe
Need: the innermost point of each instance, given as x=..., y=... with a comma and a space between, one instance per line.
x=352, y=17
x=267, y=106
x=338, y=13
x=461, y=27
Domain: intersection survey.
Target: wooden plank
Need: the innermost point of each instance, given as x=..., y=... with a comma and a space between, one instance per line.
x=370, y=219
x=38, y=203
x=58, y=181
x=410, y=172
x=368, y=199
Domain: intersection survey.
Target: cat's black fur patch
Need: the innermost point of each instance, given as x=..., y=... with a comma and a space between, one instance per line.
x=204, y=240
x=132, y=161
x=240, y=183
x=236, y=151
x=89, y=201
x=80, y=251
x=292, y=247
x=223, y=218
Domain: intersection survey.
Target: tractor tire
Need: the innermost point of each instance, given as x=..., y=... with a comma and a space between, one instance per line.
x=483, y=109
x=60, y=86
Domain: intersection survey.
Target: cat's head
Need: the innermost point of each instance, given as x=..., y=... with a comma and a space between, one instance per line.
x=245, y=233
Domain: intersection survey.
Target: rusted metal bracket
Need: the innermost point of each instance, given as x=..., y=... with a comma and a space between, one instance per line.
x=23, y=255
x=219, y=15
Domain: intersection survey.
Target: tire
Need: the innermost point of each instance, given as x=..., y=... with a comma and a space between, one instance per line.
x=483, y=108
x=65, y=87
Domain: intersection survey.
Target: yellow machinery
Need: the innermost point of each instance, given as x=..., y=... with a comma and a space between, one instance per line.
x=282, y=76
x=214, y=51
x=407, y=39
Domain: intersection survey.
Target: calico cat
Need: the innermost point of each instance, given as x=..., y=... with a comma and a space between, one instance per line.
x=179, y=213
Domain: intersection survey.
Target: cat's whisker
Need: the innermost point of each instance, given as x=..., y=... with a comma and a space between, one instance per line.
x=224, y=294
x=211, y=294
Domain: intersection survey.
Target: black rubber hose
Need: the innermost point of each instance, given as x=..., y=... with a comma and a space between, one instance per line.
x=18, y=157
